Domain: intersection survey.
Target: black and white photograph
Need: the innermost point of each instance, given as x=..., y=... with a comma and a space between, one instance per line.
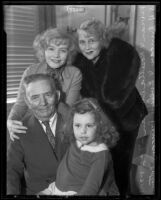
x=80, y=100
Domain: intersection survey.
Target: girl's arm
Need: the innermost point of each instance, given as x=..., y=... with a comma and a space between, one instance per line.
x=95, y=177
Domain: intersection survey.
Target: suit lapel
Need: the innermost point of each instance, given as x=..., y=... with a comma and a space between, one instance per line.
x=40, y=133
x=35, y=125
x=60, y=145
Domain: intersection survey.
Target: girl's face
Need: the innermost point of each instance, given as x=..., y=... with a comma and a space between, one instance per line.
x=56, y=55
x=84, y=127
x=89, y=45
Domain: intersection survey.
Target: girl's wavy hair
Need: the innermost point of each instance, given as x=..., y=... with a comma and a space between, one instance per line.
x=61, y=35
x=106, y=132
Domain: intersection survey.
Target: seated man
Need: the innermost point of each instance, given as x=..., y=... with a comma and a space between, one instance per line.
x=37, y=153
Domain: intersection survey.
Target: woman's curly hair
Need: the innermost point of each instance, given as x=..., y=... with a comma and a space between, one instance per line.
x=104, y=34
x=106, y=132
x=60, y=34
x=94, y=27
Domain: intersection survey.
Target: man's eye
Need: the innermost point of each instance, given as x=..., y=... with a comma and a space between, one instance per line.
x=34, y=98
x=49, y=94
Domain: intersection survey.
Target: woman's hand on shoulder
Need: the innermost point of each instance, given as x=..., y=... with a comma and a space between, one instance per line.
x=14, y=127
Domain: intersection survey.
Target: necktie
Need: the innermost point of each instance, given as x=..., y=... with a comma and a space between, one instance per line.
x=49, y=134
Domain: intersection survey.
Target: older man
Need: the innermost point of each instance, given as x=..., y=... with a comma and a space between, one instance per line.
x=37, y=153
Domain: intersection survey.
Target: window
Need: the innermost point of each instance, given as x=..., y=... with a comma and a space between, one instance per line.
x=21, y=26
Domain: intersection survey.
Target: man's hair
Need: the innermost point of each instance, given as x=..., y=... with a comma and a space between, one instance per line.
x=106, y=132
x=38, y=77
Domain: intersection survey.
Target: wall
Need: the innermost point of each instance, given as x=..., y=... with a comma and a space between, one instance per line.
x=73, y=15
x=9, y=105
x=144, y=154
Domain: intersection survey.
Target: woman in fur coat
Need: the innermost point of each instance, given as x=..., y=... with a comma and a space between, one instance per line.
x=110, y=68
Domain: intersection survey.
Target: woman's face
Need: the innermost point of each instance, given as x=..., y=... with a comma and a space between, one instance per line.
x=56, y=54
x=89, y=45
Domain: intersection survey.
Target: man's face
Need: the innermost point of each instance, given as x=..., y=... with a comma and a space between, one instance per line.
x=89, y=45
x=41, y=99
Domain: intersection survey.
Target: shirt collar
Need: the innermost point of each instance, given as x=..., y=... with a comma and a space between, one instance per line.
x=92, y=149
x=51, y=120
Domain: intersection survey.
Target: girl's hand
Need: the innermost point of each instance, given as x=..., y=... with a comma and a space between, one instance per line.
x=15, y=126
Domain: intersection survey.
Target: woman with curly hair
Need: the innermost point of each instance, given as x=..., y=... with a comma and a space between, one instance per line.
x=54, y=49
x=87, y=168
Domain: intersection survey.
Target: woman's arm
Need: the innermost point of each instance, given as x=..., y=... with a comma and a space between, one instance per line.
x=19, y=108
x=18, y=111
x=74, y=91
x=123, y=68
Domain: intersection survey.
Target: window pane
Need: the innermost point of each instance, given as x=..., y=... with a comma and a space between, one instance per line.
x=21, y=26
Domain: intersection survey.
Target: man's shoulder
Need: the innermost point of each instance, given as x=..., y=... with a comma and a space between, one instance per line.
x=28, y=118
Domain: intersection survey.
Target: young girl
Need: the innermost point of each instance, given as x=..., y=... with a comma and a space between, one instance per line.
x=87, y=168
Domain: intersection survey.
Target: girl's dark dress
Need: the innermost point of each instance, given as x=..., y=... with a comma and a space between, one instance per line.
x=111, y=80
x=86, y=172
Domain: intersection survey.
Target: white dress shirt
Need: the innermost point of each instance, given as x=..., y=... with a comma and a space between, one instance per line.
x=52, y=123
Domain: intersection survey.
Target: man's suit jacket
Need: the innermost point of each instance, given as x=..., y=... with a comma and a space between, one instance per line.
x=33, y=156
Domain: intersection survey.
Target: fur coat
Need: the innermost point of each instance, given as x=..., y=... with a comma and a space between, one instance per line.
x=111, y=80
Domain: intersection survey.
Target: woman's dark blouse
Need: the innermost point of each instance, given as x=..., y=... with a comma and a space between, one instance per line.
x=111, y=80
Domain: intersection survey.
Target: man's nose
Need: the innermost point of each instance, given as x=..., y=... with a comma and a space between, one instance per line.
x=42, y=100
